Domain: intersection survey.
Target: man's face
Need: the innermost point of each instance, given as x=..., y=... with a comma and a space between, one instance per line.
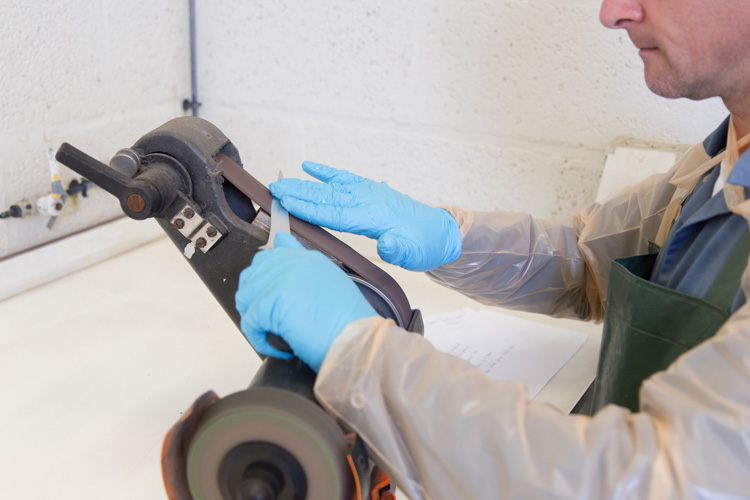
x=690, y=48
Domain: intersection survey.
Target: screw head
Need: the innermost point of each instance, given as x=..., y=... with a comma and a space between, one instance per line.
x=136, y=203
x=211, y=232
x=201, y=242
x=178, y=224
x=188, y=213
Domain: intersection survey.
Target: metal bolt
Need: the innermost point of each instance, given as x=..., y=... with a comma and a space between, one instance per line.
x=178, y=224
x=211, y=231
x=136, y=203
x=188, y=213
x=126, y=161
x=200, y=242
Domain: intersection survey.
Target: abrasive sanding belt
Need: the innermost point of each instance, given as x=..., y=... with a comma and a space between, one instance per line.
x=326, y=242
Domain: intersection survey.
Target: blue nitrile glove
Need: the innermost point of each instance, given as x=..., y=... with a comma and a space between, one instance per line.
x=410, y=234
x=299, y=295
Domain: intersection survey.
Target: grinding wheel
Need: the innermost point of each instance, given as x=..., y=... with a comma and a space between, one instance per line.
x=268, y=444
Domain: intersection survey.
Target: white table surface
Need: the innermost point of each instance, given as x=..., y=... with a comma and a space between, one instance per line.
x=97, y=366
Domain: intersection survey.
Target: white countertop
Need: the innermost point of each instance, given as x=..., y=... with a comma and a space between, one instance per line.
x=98, y=365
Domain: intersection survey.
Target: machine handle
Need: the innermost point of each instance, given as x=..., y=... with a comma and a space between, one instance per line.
x=139, y=199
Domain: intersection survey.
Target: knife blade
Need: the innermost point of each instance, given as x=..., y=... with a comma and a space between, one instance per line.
x=279, y=220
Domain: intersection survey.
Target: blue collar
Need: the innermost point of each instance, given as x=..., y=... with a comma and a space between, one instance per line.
x=716, y=143
x=740, y=175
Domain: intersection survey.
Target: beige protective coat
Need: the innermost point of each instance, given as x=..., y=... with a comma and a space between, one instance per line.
x=444, y=430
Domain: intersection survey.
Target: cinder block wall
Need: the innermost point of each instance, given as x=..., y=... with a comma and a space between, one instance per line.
x=97, y=74
x=487, y=104
x=506, y=104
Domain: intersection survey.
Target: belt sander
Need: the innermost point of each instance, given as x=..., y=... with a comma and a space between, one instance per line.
x=271, y=441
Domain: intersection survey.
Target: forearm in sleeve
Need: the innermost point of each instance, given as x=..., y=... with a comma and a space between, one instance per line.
x=444, y=430
x=515, y=261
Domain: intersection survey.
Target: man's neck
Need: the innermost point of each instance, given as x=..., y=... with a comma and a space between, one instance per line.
x=741, y=125
x=740, y=110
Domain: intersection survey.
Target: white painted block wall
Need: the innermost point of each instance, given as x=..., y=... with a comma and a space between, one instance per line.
x=97, y=74
x=486, y=104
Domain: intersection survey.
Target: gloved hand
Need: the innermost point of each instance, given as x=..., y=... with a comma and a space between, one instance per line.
x=410, y=234
x=299, y=295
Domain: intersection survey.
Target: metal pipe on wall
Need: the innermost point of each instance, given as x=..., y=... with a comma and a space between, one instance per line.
x=192, y=103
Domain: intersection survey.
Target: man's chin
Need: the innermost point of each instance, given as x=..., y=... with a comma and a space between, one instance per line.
x=662, y=90
x=678, y=90
x=661, y=83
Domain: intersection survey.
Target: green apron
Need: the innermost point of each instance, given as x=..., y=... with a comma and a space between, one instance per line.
x=648, y=326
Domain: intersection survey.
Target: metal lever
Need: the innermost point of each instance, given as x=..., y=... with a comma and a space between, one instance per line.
x=139, y=198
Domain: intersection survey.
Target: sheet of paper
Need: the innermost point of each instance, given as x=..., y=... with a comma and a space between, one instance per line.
x=505, y=347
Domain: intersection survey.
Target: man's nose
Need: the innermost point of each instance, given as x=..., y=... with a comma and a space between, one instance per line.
x=616, y=14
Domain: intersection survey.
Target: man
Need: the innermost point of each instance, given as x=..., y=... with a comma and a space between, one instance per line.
x=677, y=318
